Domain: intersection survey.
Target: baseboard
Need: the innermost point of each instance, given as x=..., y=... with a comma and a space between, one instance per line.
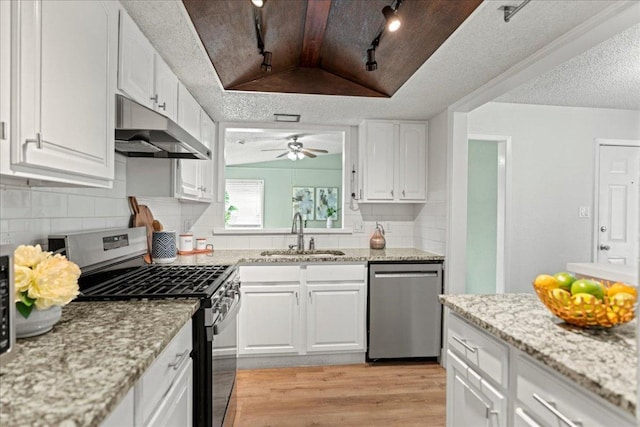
x=263, y=362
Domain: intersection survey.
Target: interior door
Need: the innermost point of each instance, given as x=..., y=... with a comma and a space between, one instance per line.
x=618, y=204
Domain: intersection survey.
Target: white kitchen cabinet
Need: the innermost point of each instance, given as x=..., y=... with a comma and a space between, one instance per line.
x=5, y=83
x=64, y=77
x=393, y=161
x=304, y=308
x=142, y=74
x=188, y=112
x=195, y=177
x=269, y=319
x=472, y=405
x=335, y=317
x=123, y=415
x=176, y=409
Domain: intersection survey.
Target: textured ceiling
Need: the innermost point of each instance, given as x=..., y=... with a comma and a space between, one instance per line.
x=319, y=46
x=606, y=76
x=483, y=47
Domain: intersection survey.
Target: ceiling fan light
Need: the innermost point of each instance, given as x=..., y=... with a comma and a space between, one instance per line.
x=300, y=156
x=258, y=3
x=392, y=18
x=292, y=156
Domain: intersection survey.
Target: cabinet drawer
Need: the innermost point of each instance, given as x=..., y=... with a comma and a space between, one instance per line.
x=478, y=349
x=158, y=379
x=336, y=273
x=275, y=273
x=553, y=401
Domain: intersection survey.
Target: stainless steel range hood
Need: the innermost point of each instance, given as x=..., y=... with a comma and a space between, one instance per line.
x=142, y=132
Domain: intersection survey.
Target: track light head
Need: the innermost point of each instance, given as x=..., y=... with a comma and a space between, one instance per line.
x=371, y=65
x=266, y=61
x=392, y=18
x=258, y=3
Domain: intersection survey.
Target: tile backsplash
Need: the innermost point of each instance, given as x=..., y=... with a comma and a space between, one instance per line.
x=29, y=214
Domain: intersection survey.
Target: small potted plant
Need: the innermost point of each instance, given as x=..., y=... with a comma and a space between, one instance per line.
x=44, y=282
x=331, y=215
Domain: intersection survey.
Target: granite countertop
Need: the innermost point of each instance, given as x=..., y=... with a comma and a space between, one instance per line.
x=77, y=374
x=253, y=256
x=601, y=360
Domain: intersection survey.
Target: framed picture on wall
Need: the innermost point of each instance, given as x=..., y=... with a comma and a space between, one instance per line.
x=303, y=201
x=326, y=203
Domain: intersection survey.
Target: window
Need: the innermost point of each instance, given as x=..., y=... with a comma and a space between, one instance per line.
x=244, y=203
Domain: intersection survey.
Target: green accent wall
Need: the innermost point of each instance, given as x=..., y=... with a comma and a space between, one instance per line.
x=482, y=213
x=281, y=176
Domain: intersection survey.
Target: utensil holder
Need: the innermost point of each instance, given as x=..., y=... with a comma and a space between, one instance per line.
x=163, y=247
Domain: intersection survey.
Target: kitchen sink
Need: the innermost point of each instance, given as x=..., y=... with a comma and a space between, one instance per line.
x=294, y=254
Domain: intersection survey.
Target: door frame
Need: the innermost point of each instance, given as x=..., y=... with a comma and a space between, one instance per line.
x=597, y=144
x=503, y=231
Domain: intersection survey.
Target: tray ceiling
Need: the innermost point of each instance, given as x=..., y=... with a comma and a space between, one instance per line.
x=319, y=46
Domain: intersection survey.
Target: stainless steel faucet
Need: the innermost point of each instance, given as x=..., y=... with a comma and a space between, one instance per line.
x=299, y=231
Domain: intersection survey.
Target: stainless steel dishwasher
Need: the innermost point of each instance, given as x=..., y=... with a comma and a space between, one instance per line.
x=404, y=316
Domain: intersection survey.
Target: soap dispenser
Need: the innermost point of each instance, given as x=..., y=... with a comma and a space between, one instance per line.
x=378, y=241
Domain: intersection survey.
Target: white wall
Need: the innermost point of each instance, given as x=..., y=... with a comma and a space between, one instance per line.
x=552, y=176
x=431, y=217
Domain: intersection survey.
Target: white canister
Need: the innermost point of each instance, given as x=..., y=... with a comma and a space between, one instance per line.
x=185, y=242
x=201, y=243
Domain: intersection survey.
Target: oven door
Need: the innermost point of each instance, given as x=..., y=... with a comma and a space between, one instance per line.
x=224, y=361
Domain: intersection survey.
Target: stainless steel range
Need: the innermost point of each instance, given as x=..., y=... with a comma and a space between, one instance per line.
x=113, y=268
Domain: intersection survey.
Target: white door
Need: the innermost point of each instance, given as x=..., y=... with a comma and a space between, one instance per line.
x=136, y=62
x=65, y=82
x=269, y=320
x=618, y=204
x=335, y=317
x=166, y=89
x=379, y=156
x=412, y=170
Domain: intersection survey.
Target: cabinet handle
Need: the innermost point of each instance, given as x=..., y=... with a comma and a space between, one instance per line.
x=403, y=193
x=154, y=98
x=179, y=359
x=391, y=193
x=37, y=141
x=464, y=344
x=297, y=298
x=3, y=134
x=550, y=406
x=163, y=106
x=310, y=297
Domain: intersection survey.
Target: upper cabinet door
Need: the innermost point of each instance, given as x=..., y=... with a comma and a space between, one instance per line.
x=5, y=84
x=208, y=133
x=379, y=156
x=166, y=85
x=412, y=167
x=65, y=81
x=188, y=112
x=136, y=62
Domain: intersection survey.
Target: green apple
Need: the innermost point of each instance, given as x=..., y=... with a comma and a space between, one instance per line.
x=565, y=280
x=587, y=286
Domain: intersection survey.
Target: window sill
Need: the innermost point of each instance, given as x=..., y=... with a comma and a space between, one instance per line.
x=279, y=231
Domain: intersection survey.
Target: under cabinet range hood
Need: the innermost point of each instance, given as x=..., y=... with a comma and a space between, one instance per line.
x=142, y=132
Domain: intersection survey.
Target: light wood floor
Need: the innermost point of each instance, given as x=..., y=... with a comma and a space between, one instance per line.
x=350, y=395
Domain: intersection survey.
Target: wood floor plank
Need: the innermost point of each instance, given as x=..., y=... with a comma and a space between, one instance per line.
x=405, y=394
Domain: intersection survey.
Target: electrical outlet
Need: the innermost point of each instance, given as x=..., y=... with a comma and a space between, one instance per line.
x=585, y=212
x=358, y=227
x=6, y=239
x=187, y=225
x=387, y=227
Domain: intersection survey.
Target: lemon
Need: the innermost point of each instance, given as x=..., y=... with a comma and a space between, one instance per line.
x=618, y=287
x=621, y=297
x=584, y=300
x=546, y=281
x=562, y=296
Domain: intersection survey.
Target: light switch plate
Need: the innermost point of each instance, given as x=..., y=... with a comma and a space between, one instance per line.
x=585, y=212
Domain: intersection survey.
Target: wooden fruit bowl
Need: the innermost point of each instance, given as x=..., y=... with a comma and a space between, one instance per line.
x=590, y=312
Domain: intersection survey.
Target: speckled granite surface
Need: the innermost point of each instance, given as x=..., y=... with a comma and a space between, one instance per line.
x=601, y=360
x=252, y=256
x=77, y=374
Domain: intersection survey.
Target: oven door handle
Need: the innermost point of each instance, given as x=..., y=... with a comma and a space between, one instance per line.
x=229, y=317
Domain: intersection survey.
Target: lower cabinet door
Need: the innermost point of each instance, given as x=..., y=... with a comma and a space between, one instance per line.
x=122, y=416
x=522, y=419
x=269, y=319
x=176, y=409
x=335, y=317
x=468, y=405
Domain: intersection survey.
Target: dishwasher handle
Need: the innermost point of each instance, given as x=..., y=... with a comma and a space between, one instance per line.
x=404, y=274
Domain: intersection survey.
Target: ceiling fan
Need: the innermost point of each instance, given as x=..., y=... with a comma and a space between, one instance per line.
x=296, y=150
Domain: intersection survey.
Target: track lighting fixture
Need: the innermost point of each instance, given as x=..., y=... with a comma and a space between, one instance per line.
x=258, y=3
x=392, y=19
x=266, y=55
x=372, y=65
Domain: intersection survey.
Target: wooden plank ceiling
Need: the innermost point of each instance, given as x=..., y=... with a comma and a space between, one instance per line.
x=320, y=46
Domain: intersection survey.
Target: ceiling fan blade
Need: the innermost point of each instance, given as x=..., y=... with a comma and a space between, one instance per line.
x=282, y=155
x=308, y=154
x=316, y=150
